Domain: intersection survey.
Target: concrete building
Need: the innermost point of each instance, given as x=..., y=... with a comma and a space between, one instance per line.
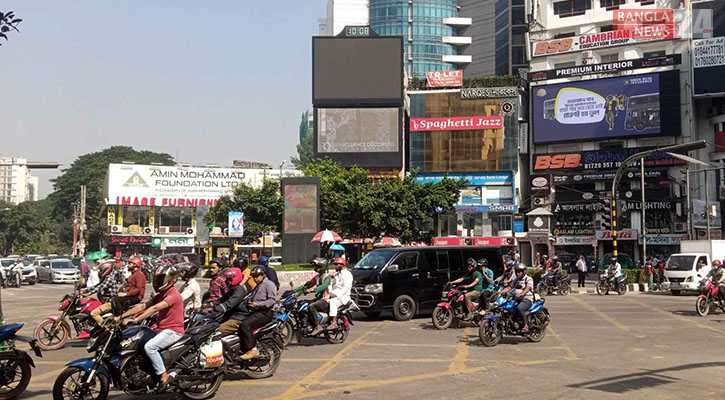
x=17, y=184
x=341, y=13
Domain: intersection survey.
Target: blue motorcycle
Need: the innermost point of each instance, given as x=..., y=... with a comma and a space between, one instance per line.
x=295, y=314
x=15, y=364
x=502, y=318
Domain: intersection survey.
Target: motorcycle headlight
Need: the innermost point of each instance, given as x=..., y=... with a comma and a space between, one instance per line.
x=374, y=288
x=91, y=344
x=688, y=279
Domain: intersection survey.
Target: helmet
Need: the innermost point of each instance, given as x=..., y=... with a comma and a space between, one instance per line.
x=234, y=275
x=320, y=264
x=614, y=259
x=241, y=263
x=135, y=261
x=105, y=269
x=510, y=263
x=165, y=277
x=262, y=260
x=340, y=260
x=555, y=258
x=259, y=270
x=187, y=270
x=471, y=262
x=716, y=264
x=520, y=268
x=96, y=255
x=482, y=262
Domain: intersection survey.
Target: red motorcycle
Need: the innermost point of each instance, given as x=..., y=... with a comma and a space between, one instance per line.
x=53, y=332
x=710, y=295
x=453, y=307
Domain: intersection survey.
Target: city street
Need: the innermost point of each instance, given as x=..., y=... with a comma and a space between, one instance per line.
x=639, y=345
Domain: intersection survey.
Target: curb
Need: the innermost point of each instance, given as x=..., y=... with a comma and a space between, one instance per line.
x=637, y=288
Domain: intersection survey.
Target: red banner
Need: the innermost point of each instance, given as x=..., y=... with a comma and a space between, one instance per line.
x=449, y=241
x=475, y=241
x=455, y=123
x=445, y=78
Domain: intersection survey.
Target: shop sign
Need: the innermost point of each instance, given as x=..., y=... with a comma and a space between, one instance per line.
x=221, y=242
x=609, y=159
x=584, y=42
x=449, y=241
x=480, y=179
x=172, y=242
x=649, y=205
x=455, y=123
x=539, y=223
x=657, y=231
x=494, y=208
x=128, y=240
x=558, y=232
x=474, y=241
x=575, y=240
x=715, y=234
x=607, y=176
x=539, y=183
x=489, y=92
x=445, y=78
x=664, y=239
x=575, y=208
x=606, y=68
x=625, y=234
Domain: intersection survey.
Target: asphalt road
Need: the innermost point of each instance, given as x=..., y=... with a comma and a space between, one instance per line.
x=638, y=345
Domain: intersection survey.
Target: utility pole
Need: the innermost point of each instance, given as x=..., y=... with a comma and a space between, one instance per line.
x=82, y=224
x=644, y=222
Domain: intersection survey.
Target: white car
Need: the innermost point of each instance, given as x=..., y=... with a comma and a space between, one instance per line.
x=275, y=260
x=57, y=270
x=29, y=275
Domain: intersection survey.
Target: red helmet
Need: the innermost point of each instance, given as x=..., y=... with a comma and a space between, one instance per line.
x=340, y=260
x=716, y=263
x=135, y=261
x=233, y=274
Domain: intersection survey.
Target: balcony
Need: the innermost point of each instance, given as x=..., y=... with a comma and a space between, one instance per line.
x=457, y=59
x=457, y=40
x=458, y=22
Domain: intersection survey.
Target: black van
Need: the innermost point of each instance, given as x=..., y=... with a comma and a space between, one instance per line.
x=408, y=280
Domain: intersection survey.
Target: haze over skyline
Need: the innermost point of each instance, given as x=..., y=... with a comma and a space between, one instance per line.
x=209, y=82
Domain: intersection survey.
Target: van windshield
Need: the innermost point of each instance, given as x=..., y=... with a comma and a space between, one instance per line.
x=680, y=263
x=375, y=259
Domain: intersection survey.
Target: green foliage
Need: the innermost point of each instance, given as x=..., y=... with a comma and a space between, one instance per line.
x=262, y=209
x=28, y=229
x=474, y=82
x=8, y=23
x=90, y=170
x=635, y=275
x=305, y=152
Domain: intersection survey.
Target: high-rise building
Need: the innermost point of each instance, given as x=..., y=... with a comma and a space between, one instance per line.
x=16, y=182
x=341, y=13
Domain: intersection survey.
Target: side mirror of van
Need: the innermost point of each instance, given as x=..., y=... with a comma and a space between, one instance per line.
x=393, y=268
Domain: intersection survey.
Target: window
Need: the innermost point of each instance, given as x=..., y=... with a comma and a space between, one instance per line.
x=606, y=28
x=568, y=64
x=564, y=35
x=610, y=57
x=505, y=222
x=517, y=55
x=431, y=257
x=611, y=4
x=443, y=260
x=658, y=53
x=455, y=261
x=517, y=16
x=571, y=8
x=407, y=261
x=645, y=2
x=136, y=218
x=177, y=218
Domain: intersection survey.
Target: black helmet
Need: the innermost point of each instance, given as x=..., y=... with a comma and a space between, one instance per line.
x=482, y=262
x=259, y=270
x=510, y=263
x=320, y=263
x=187, y=270
x=471, y=262
x=165, y=277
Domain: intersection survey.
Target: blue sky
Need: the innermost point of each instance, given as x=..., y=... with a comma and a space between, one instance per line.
x=212, y=81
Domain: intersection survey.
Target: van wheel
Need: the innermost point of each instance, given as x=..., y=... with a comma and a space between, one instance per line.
x=404, y=308
x=675, y=292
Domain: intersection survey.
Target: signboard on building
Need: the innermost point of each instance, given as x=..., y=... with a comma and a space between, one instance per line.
x=540, y=185
x=708, y=66
x=606, y=68
x=475, y=179
x=166, y=242
x=474, y=241
x=539, y=223
x=600, y=109
x=236, y=224
x=455, y=123
x=128, y=240
x=667, y=240
x=624, y=234
x=300, y=208
x=594, y=176
x=584, y=42
x=493, y=208
x=699, y=213
x=489, y=92
x=575, y=240
x=445, y=78
x=608, y=160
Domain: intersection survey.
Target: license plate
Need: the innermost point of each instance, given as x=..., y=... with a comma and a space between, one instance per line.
x=675, y=285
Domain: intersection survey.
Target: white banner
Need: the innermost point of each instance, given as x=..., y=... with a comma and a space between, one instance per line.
x=575, y=240
x=584, y=42
x=664, y=239
x=708, y=52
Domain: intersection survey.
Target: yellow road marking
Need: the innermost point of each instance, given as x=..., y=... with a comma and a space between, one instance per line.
x=678, y=317
x=602, y=314
x=458, y=363
x=302, y=360
x=408, y=345
x=570, y=354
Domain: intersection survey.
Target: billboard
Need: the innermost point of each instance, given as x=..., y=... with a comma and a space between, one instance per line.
x=591, y=41
x=357, y=71
x=598, y=160
x=300, y=208
x=601, y=109
x=444, y=78
x=236, y=223
x=708, y=66
x=358, y=130
x=455, y=123
x=606, y=68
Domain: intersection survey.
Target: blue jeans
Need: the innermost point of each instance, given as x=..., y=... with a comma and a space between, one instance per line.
x=209, y=315
x=162, y=340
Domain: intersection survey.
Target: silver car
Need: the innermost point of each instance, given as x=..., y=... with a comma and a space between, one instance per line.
x=57, y=270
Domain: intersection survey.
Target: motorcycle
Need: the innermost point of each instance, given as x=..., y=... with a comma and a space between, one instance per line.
x=502, y=318
x=120, y=359
x=608, y=282
x=14, y=275
x=295, y=314
x=710, y=294
x=15, y=364
x=546, y=285
x=453, y=308
x=53, y=332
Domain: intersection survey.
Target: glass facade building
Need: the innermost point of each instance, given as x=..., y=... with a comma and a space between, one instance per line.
x=510, y=25
x=420, y=22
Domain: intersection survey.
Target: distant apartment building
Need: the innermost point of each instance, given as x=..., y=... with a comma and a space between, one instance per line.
x=341, y=13
x=17, y=184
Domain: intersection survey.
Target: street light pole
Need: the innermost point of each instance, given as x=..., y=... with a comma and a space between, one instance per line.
x=644, y=222
x=707, y=206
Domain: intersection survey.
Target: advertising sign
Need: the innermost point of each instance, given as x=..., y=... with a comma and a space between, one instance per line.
x=476, y=179
x=455, y=123
x=601, y=109
x=128, y=240
x=540, y=184
x=445, y=78
x=699, y=213
x=606, y=68
x=300, y=208
x=494, y=208
x=358, y=130
x=594, y=176
x=609, y=159
x=585, y=42
x=166, y=242
x=475, y=241
x=668, y=240
x=489, y=92
x=708, y=66
x=575, y=240
x=624, y=234
x=236, y=223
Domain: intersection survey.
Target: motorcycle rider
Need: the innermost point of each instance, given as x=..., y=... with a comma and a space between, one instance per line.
x=135, y=288
x=508, y=274
x=190, y=291
x=95, y=259
x=472, y=280
x=717, y=277
x=340, y=289
x=555, y=271
x=271, y=272
x=14, y=270
x=230, y=303
x=260, y=303
x=111, y=283
x=615, y=271
x=318, y=285
x=488, y=282
x=217, y=284
x=170, y=322
x=523, y=287
x=247, y=281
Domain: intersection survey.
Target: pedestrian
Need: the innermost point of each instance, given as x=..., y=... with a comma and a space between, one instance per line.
x=581, y=267
x=661, y=268
x=649, y=271
x=537, y=259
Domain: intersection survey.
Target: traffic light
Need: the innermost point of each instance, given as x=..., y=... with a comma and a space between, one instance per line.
x=607, y=215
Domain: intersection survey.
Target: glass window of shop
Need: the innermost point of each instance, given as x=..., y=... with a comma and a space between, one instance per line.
x=487, y=150
x=472, y=224
x=447, y=225
x=135, y=218
x=178, y=219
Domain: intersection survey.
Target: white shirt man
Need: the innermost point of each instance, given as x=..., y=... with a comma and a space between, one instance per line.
x=191, y=295
x=581, y=265
x=93, y=278
x=340, y=289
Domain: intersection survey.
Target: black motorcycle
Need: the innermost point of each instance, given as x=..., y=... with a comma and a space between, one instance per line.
x=546, y=285
x=15, y=364
x=120, y=359
x=608, y=281
x=295, y=315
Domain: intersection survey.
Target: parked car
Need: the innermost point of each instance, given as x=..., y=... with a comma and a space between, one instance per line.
x=29, y=275
x=276, y=260
x=57, y=270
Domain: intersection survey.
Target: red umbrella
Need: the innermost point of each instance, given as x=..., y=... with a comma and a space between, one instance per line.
x=326, y=236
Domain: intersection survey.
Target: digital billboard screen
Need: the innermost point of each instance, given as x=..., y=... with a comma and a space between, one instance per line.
x=600, y=109
x=300, y=208
x=355, y=130
x=357, y=71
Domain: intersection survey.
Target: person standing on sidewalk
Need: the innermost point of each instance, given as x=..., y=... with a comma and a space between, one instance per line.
x=649, y=271
x=581, y=267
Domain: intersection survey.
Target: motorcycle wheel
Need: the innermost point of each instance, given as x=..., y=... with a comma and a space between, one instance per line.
x=702, y=306
x=442, y=317
x=204, y=391
x=622, y=289
x=46, y=341
x=489, y=333
x=16, y=377
x=337, y=336
x=564, y=288
x=288, y=330
x=602, y=288
x=66, y=385
x=541, y=289
x=270, y=351
x=538, y=332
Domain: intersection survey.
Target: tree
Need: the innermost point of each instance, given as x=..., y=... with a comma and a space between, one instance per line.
x=305, y=149
x=28, y=229
x=262, y=209
x=8, y=23
x=90, y=170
